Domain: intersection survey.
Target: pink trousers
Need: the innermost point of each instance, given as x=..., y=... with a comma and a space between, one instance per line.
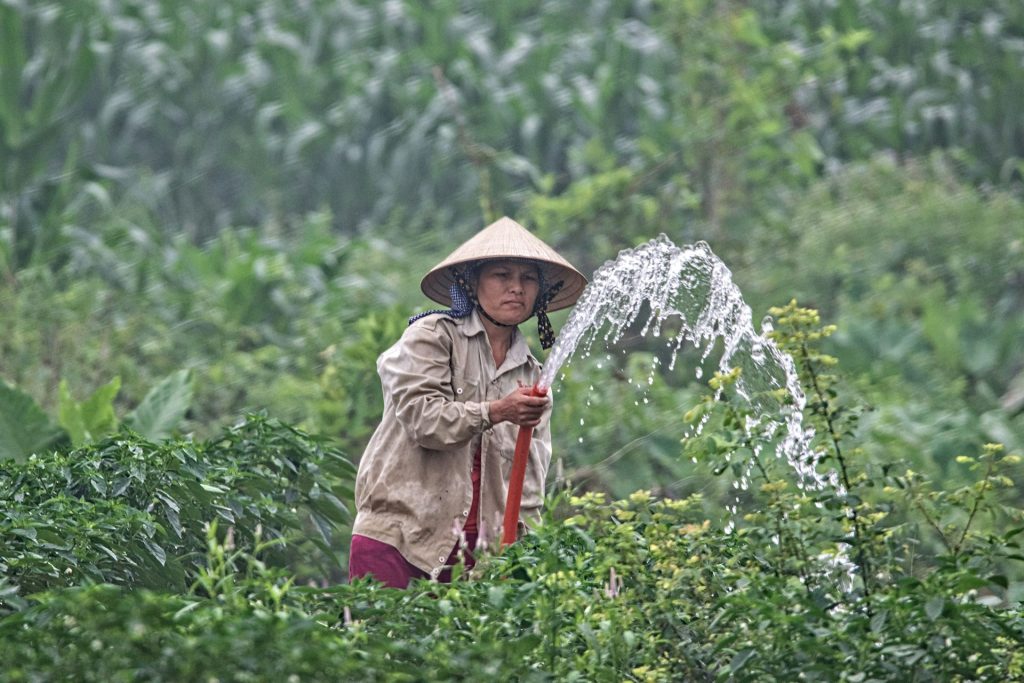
x=368, y=557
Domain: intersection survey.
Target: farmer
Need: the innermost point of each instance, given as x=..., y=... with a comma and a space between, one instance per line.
x=432, y=481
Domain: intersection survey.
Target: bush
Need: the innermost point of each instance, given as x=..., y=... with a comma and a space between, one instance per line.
x=922, y=275
x=639, y=589
x=134, y=513
x=876, y=574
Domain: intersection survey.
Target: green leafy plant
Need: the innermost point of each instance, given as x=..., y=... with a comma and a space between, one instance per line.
x=30, y=431
x=92, y=418
x=24, y=427
x=641, y=589
x=133, y=512
x=163, y=408
x=42, y=84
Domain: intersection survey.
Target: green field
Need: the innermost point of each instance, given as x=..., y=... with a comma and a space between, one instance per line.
x=214, y=217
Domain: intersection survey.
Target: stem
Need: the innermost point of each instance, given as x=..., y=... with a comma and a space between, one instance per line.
x=934, y=525
x=784, y=538
x=778, y=512
x=858, y=533
x=974, y=508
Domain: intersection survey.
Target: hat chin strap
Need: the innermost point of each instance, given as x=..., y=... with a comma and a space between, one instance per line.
x=540, y=309
x=500, y=324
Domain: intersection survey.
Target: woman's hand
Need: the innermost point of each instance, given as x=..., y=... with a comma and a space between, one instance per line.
x=520, y=407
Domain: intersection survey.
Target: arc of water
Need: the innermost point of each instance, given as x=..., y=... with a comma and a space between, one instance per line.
x=692, y=285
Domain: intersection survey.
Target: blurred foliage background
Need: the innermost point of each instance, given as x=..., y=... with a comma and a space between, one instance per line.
x=250, y=190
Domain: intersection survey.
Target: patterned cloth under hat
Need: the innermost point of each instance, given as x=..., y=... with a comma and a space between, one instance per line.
x=446, y=283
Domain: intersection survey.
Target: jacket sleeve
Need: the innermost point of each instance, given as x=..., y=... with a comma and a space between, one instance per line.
x=416, y=373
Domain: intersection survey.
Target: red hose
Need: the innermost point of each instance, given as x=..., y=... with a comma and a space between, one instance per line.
x=516, y=476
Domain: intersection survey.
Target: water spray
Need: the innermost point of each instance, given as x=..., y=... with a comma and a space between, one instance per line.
x=692, y=285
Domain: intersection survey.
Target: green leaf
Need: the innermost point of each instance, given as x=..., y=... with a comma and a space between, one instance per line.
x=24, y=428
x=98, y=409
x=158, y=553
x=164, y=406
x=741, y=658
x=878, y=621
x=933, y=608
x=999, y=580
x=70, y=415
x=93, y=418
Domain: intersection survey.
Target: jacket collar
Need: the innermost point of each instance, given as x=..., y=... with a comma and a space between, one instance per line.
x=518, y=353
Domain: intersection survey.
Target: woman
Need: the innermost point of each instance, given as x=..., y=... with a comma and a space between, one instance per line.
x=433, y=478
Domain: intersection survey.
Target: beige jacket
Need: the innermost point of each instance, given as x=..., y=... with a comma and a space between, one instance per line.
x=413, y=489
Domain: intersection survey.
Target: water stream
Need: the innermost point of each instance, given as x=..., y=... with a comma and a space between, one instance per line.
x=693, y=288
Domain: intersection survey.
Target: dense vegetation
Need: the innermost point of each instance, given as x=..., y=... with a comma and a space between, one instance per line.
x=830, y=584
x=216, y=212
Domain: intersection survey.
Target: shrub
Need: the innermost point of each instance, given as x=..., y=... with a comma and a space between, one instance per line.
x=873, y=575
x=131, y=512
x=640, y=589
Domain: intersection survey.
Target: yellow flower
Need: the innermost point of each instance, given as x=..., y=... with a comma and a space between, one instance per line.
x=640, y=497
x=695, y=528
x=589, y=498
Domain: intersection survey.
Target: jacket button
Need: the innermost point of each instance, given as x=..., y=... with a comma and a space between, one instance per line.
x=441, y=559
x=465, y=513
x=459, y=390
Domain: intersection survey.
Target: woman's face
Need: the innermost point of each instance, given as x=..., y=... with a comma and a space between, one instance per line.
x=507, y=290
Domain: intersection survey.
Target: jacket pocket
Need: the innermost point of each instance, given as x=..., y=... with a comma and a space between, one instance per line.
x=465, y=389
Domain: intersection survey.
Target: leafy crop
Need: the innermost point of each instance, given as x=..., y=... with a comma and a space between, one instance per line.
x=639, y=589
x=28, y=430
x=878, y=575
x=134, y=513
x=195, y=120
x=218, y=209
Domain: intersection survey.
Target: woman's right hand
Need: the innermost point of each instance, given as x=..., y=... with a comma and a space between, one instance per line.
x=520, y=407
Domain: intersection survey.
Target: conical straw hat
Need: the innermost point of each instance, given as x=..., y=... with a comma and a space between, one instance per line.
x=507, y=239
